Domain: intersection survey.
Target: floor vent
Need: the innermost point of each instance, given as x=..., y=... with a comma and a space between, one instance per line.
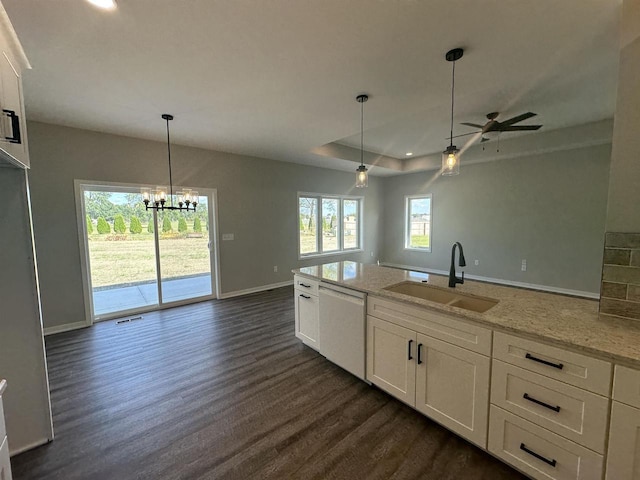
x=127, y=320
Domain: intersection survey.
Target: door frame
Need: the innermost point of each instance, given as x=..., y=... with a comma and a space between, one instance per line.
x=83, y=240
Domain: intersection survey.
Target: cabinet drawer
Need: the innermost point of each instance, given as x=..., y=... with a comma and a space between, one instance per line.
x=5, y=463
x=305, y=285
x=572, y=368
x=626, y=386
x=433, y=324
x=574, y=413
x=539, y=452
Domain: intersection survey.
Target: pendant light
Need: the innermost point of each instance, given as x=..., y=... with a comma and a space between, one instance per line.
x=362, y=179
x=451, y=155
x=157, y=199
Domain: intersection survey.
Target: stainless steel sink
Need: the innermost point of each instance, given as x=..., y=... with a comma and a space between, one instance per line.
x=474, y=303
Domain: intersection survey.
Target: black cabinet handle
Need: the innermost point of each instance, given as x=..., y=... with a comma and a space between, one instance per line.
x=546, y=405
x=538, y=456
x=419, y=353
x=559, y=366
x=15, y=126
x=304, y=285
x=305, y=296
x=409, y=357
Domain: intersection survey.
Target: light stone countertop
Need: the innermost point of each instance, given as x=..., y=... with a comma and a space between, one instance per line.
x=3, y=386
x=558, y=319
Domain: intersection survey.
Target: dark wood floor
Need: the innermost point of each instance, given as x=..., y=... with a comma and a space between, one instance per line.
x=223, y=389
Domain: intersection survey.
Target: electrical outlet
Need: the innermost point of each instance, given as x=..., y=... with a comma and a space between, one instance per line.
x=477, y=262
x=275, y=269
x=227, y=236
x=524, y=265
x=372, y=254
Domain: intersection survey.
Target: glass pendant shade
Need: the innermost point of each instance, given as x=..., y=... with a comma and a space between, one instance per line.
x=362, y=179
x=451, y=161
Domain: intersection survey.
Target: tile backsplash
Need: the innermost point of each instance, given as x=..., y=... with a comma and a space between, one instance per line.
x=620, y=292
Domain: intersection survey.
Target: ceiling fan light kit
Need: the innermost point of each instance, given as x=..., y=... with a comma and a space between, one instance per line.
x=451, y=155
x=156, y=199
x=362, y=179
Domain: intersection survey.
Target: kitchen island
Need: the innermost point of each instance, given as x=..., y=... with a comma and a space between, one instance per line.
x=539, y=380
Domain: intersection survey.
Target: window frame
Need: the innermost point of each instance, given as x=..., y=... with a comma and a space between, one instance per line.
x=407, y=222
x=319, y=197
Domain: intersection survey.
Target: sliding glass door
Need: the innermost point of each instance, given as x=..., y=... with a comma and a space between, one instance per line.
x=137, y=260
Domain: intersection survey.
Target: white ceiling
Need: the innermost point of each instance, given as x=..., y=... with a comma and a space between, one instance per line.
x=278, y=78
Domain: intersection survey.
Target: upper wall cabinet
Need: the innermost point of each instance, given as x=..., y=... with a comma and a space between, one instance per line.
x=13, y=125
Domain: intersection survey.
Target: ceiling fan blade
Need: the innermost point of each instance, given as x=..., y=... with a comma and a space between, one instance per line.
x=462, y=135
x=518, y=118
x=484, y=139
x=520, y=128
x=474, y=125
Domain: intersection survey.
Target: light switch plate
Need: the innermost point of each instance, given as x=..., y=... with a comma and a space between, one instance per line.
x=227, y=236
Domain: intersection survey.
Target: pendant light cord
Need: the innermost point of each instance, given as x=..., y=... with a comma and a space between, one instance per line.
x=169, y=155
x=453, y=84
x=362, y=133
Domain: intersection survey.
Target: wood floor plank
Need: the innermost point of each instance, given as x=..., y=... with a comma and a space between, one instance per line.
x=223, y=390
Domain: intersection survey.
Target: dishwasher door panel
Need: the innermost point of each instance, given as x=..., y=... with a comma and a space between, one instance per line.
x=342, y=329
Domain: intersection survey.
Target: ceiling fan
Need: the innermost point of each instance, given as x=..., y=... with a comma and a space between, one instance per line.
x=494, y=125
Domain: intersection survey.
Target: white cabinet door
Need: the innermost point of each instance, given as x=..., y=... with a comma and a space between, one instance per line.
x=13, y=138
x=623, y=461
x=307, y=315
x=5, y=463
x=452, y=387
x=391, y=362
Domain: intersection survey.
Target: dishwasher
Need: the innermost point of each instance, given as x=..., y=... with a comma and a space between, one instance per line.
x=342, y=329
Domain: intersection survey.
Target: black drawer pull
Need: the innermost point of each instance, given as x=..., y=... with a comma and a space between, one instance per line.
x=305, y=296
x=15, y=126
x=409, y=357
x=304, y=285
x=419, y=353
x=538, y=456
x=546, y=405
x=559, y=366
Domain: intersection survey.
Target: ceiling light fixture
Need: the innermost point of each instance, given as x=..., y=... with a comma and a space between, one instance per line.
x=408, y=154
x=451, y=156
x=362, y=179
x=187, y=199
x=104, y=4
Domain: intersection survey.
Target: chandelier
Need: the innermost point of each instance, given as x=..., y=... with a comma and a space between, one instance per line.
x=156, y=199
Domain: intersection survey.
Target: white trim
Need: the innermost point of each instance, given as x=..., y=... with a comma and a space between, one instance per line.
x=97, y=185
x=499, y=281
x=407, y=222
x=67, y=327
x=340, y=220
x=247, y=291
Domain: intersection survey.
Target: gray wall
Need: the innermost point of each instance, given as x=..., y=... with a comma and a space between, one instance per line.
x=256, y=202
x=548, y=209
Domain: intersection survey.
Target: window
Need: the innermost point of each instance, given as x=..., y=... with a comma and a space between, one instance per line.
x=418, y=222
x=328, y=224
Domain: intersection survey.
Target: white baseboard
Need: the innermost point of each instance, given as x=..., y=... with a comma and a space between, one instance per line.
x=67, y=327
x=529, y=286
x=262, y=288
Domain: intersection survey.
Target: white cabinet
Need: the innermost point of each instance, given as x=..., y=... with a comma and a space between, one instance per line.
x=623, y=459
x=307, y=312
x=5, y=463
x=452, y=387
x=13, y=132
x=418, y=369
x=548, y=404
